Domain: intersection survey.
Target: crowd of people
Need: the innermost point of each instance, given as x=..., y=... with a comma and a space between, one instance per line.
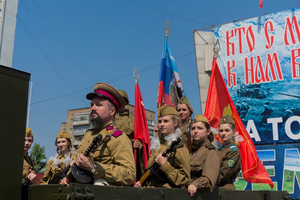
x=193, y=162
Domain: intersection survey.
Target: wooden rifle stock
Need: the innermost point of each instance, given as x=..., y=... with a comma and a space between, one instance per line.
x=147, y=175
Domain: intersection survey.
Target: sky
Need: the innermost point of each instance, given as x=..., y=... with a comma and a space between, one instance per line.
x=69, y=46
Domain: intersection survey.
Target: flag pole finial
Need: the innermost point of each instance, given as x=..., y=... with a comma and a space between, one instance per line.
x=136, y=75
x=216, y=49
x=167, y=28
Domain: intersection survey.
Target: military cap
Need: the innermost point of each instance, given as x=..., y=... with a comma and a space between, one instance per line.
x=28, y=132
x=108, y=92
x=167, y=110
x=226, y=120
x=62, y=134
x=124, y=95
x=184, y=100
x=200, y=118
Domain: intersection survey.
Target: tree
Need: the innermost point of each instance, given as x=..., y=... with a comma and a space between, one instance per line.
x=38, y=154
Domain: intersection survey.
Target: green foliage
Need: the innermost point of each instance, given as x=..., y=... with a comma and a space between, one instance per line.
x=38, y=154
x=271, y=171
x=288, y=176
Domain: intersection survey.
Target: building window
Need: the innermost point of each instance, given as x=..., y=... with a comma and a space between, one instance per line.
x=71, y=130
x=78, y=138
x=80, y=117
x=150, y=122
x=151, y=132
x=81, y=128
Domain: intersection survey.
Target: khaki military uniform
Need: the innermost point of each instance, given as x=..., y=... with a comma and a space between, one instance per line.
x=176, y=169
x=184, y=127
x=114, y=160
x=52, y=170
x=230, y=166
x=125, y=122
x=205, y=166
x=27, y=163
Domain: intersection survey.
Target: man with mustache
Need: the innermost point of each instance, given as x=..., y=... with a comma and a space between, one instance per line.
x=112, y=163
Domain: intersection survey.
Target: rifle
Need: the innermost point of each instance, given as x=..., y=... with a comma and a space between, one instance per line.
x=57, y=177
x=26, y=180
x=153, y=171
x=86, y=176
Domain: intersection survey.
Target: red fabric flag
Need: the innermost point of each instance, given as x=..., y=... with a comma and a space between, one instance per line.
x=218, y=104
x=260, y=3
x=141, y=131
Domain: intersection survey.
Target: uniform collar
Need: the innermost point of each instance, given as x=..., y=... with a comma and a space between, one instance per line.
x=195, y=147
x=227, y=145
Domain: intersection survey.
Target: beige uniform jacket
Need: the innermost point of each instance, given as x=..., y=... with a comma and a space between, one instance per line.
x=230, y=166
x=52, y=170
x=27, y=163
x=176, y=169
x=114, y=159
x=184, y=127
x=125, y=122
x=205, y=166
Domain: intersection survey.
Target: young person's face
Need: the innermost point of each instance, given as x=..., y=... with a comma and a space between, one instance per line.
x=166, y=125
x=28, y=143
x=62, y=145
x=183, y=112
x=226, y=133
x=199, y=132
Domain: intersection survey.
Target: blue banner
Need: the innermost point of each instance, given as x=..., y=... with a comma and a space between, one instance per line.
x=260, y=63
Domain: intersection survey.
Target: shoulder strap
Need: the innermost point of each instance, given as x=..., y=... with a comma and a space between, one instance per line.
x=111, y=131
x=210, y=146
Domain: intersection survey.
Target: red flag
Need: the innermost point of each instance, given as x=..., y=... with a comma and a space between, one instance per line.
x=218, y=104
x=141, y=131
x=260, y=3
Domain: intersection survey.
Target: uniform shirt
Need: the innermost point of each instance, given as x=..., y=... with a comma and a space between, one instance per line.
x=205, y=166
x=27, y=163
x=114, y=159
x=184, y=127
x=230, y=166
x=60, y=165
x=176, y=169
x=125, y=122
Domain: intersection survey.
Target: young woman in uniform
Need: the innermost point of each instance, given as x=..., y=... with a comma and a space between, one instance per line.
x=174, y=170
x=229, y=154
x=61, y=160
x=205, y=162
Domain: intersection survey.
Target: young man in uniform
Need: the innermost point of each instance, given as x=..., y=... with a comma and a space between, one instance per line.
x=29, y=176
x=113, y=162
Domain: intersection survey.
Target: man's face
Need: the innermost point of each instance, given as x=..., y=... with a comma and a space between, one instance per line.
x=100, y=108
x=28, y=143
